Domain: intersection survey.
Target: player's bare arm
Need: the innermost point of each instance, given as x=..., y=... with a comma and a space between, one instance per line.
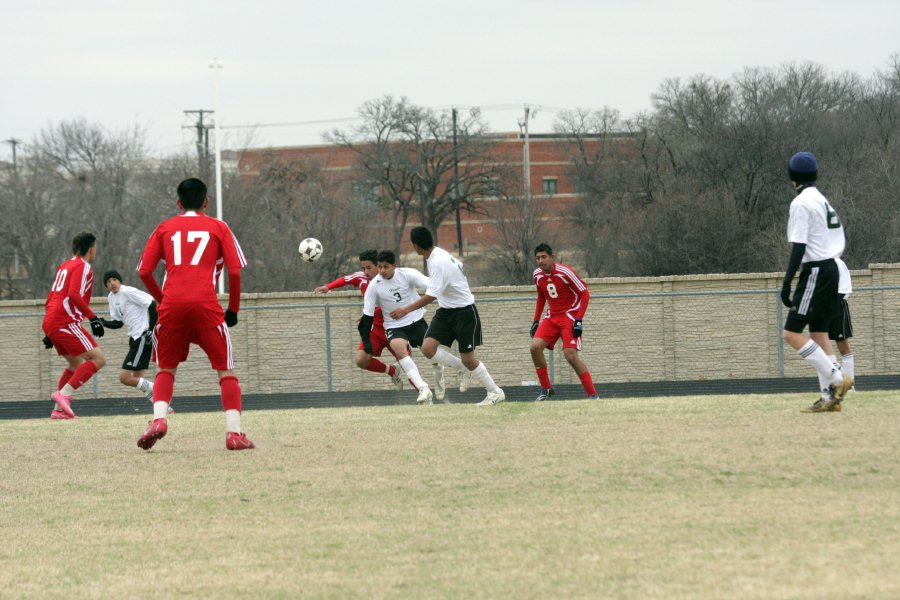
x=399, y=313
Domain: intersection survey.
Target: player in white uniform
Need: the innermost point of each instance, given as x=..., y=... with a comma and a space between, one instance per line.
x=456, y=319
x=841, y=328
x=817, y=236
x=392, y=287
x=136, y=311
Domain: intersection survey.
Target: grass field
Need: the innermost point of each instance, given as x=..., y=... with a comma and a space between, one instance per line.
x=719, y=497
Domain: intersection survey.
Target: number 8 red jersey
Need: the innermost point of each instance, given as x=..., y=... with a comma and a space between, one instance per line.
x=195, y=248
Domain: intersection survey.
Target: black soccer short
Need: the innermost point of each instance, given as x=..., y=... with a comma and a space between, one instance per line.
x=460, y=324
x=841, y=327
x=414, y=333
x=139, y=351
x=815, y=302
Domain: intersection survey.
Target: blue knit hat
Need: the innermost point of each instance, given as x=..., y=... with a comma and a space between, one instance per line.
x=803, y=167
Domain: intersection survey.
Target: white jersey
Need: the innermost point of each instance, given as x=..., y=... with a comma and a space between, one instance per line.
x=129, y=305
x=398, y=291
x=448, y=281
x=845, y=286
x=813, y=222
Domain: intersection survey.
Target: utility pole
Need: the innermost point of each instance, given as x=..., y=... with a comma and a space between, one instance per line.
x=202, y=140
x=14, y=142
x=459, y=237
x=526, y=160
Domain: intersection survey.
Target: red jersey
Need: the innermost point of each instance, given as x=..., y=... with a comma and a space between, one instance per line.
x=69, y=295
x=194, y=248
x=562, y=290
x=358, y=280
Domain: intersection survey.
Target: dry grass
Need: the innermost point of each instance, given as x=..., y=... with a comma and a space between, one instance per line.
x=669, y=497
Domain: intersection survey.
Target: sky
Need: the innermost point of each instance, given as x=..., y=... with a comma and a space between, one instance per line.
x=294, y=69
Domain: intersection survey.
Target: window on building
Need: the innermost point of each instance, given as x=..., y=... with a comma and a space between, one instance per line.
x=550, y=186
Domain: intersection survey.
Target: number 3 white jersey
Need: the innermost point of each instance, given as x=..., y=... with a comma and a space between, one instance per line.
x=396, y=292
x=129, y=305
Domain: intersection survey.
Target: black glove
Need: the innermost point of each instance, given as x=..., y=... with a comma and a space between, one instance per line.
x=786, y=294
x=148, y=335
x=111, y=324
x=97, y=327
x=47, y=343
x=534, y=326
x=577, y=328
x=230, y=318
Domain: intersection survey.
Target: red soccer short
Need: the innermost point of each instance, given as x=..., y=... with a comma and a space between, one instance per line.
x=172, y=343
x=72, y=340
x=553, y=328
x=379, y=342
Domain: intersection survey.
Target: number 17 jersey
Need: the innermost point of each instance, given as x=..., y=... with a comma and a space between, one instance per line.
x=194, y=247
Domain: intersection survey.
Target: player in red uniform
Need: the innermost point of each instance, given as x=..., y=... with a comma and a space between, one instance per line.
x=361, y=279
x=566, y=297
x=67, y=305
x=194, y=248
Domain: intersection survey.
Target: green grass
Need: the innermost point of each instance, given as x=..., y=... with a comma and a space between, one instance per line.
x=719, y=497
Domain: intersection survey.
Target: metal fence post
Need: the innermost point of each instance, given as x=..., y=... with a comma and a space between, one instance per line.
x=780, y=338
x=328, y=345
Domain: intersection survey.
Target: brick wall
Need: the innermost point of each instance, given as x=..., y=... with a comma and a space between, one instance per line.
x=666, y=328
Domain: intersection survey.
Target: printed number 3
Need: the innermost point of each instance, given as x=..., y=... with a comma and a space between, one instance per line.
x=192, y=236
x=397, y=296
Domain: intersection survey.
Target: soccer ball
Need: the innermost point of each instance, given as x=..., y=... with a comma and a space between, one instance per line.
x=310, y=249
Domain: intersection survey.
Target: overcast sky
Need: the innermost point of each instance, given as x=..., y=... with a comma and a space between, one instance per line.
x=287, y=62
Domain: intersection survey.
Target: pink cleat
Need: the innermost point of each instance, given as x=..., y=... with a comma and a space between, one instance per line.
x=156, y=431
x=65, y=403
x=238, y=441
x=58, y=415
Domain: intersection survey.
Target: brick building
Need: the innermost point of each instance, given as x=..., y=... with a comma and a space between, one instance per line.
x=551, y=178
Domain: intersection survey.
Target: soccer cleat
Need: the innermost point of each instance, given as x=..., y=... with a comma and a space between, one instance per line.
x=440, y=387
x=156, y=431
x=492, y=398
x=822, y=405
x=594, y=397
x=58, y=415
x=425, y=396
x=465, y=379
x=65, y=403
x=840, y=390
x=545, y=394
x=396, y=379
x=238, y=441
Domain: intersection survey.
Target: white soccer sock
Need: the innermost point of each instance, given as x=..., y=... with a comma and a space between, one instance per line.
x=438, y=370
x=67, y=390
x=481, y=375
x=412, y=371
x=144, y=385
x=448, y=360
x=824, y=385
x=814, y=354
x=233, y=420
x=160, y=409
x=847, y=365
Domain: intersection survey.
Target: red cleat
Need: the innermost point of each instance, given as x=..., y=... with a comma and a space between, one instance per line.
x=238, y=441
x=58, y=415
x=156, y=431
x=65, y=403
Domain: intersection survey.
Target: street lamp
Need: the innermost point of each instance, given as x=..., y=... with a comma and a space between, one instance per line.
x=216, y=65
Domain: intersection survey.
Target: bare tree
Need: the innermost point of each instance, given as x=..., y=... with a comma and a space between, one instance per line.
x=407, y=152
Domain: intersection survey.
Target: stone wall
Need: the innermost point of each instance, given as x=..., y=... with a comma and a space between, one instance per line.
x=636, y=329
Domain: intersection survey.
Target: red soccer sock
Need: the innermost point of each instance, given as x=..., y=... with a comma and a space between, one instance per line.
x=543, y=377
x=84, y=372
x=231, y=393
x=588, y=383
x=376, y=366
x=163, y=387
x=64, y=378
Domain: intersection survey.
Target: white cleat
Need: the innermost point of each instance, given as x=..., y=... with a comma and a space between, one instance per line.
x=492, y=398
x=397, y=379
x=440, y=388
x=425, y=397
x=465, y=379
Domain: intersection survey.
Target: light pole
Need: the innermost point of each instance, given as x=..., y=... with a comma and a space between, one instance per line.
x=216, y=65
